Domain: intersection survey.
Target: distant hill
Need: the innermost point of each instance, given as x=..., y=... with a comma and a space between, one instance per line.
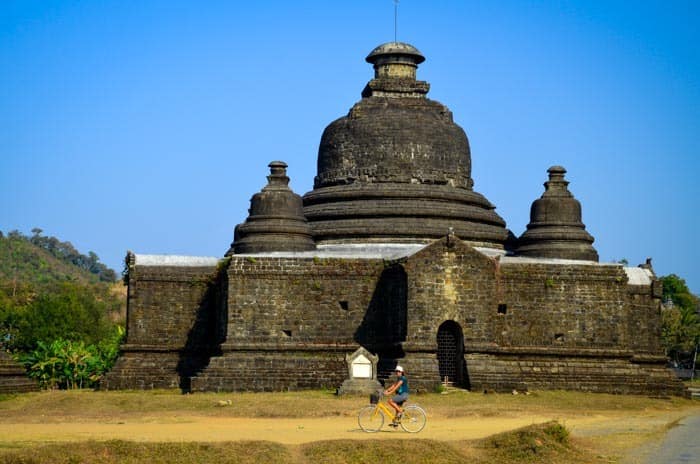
x=49, y=290
x=44, y=260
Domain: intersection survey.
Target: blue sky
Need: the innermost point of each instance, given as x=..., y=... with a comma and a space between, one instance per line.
x=147, y=125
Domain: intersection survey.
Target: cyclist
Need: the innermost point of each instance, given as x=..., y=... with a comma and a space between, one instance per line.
x=400, y=387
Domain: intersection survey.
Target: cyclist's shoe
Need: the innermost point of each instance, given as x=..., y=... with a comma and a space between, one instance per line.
x=394, y=424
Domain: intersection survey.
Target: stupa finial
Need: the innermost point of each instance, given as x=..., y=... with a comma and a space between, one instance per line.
x=396, y=18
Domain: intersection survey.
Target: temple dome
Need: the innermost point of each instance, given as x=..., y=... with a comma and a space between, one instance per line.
x=555, y=229
x=397, y=168
x=275, y=221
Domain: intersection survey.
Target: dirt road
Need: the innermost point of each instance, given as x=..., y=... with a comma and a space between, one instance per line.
x=297, y=431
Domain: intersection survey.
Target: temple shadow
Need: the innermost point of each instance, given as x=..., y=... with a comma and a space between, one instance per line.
x=207, y=333
x=384, y=326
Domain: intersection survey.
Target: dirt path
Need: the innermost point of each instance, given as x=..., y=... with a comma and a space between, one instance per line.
x=286, y=431
x=297, y=431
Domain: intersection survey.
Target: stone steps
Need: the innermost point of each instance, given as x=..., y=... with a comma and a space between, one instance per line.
x=13, y=377
x=143, y=371
x=597, y=384
x=265, y=371
x=18, y=385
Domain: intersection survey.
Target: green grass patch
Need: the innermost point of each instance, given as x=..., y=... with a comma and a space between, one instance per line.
x=126, y=452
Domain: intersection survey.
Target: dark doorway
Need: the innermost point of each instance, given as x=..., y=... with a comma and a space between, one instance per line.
x=450, y=354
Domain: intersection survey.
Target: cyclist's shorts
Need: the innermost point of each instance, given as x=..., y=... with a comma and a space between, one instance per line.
x=400, y=398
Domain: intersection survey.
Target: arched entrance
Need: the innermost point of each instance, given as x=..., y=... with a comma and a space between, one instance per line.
x=450, y=354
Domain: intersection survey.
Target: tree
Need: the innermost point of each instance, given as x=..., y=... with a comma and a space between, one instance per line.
x=71, y=311
x=680, y=317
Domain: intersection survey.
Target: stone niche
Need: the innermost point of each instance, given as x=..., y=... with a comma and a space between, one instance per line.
x=362, y=373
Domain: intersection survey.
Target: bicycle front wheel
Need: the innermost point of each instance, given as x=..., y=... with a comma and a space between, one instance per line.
x=413, y=419
x=370, y=419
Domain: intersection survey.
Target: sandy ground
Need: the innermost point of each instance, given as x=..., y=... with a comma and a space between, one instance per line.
x=287, y=431
x=297, y=431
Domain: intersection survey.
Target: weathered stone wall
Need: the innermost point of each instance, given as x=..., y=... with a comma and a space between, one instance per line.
x=644, y=325
x=529, y=324
x=287, y=302
x=143, y=369
x=273, y=323
x=600, y=373
x=450, y=283
x=165, y=302
x=292, y=321
x=562, y=306
x=13, y=377
x=172, y=326
x=272, y=370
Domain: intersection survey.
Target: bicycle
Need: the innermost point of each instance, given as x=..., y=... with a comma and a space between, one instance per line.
x=371, y=418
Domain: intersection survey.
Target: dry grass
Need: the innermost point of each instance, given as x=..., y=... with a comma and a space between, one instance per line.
x=538, y=444
x=80, y=405
x=404, y=451
x=544, y=443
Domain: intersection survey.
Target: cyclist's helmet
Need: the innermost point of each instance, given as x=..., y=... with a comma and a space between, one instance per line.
x=399, y=369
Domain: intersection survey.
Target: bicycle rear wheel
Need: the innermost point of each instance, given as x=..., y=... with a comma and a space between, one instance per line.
x=413, y=419
x=370, y=419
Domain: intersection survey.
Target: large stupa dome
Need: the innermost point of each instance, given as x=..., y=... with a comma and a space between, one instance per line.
x=397, y=168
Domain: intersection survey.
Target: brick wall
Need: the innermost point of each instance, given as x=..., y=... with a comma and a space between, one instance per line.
x=450, y=283
x=270, y=323
x=290, y=322
x=547, y=371
x=644, y=323
x=285, y=302
x=534, y=325
x=166, y=303
x=172, y=326
x=574, y=306
x=13, y=377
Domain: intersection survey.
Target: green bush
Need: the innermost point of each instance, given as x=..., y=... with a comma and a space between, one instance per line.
x=66, y=364
x=70, y=311
x=558, y=432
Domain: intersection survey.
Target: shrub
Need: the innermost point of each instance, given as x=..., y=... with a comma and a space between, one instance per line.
x=66, y=364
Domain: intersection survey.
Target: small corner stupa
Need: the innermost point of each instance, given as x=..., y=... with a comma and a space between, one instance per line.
x=276, y=220
x=556, y=229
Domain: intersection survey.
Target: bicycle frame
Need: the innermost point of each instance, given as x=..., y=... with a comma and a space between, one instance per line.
x=385, y=409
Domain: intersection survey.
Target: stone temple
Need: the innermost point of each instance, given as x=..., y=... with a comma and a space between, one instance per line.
x=394, y=252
